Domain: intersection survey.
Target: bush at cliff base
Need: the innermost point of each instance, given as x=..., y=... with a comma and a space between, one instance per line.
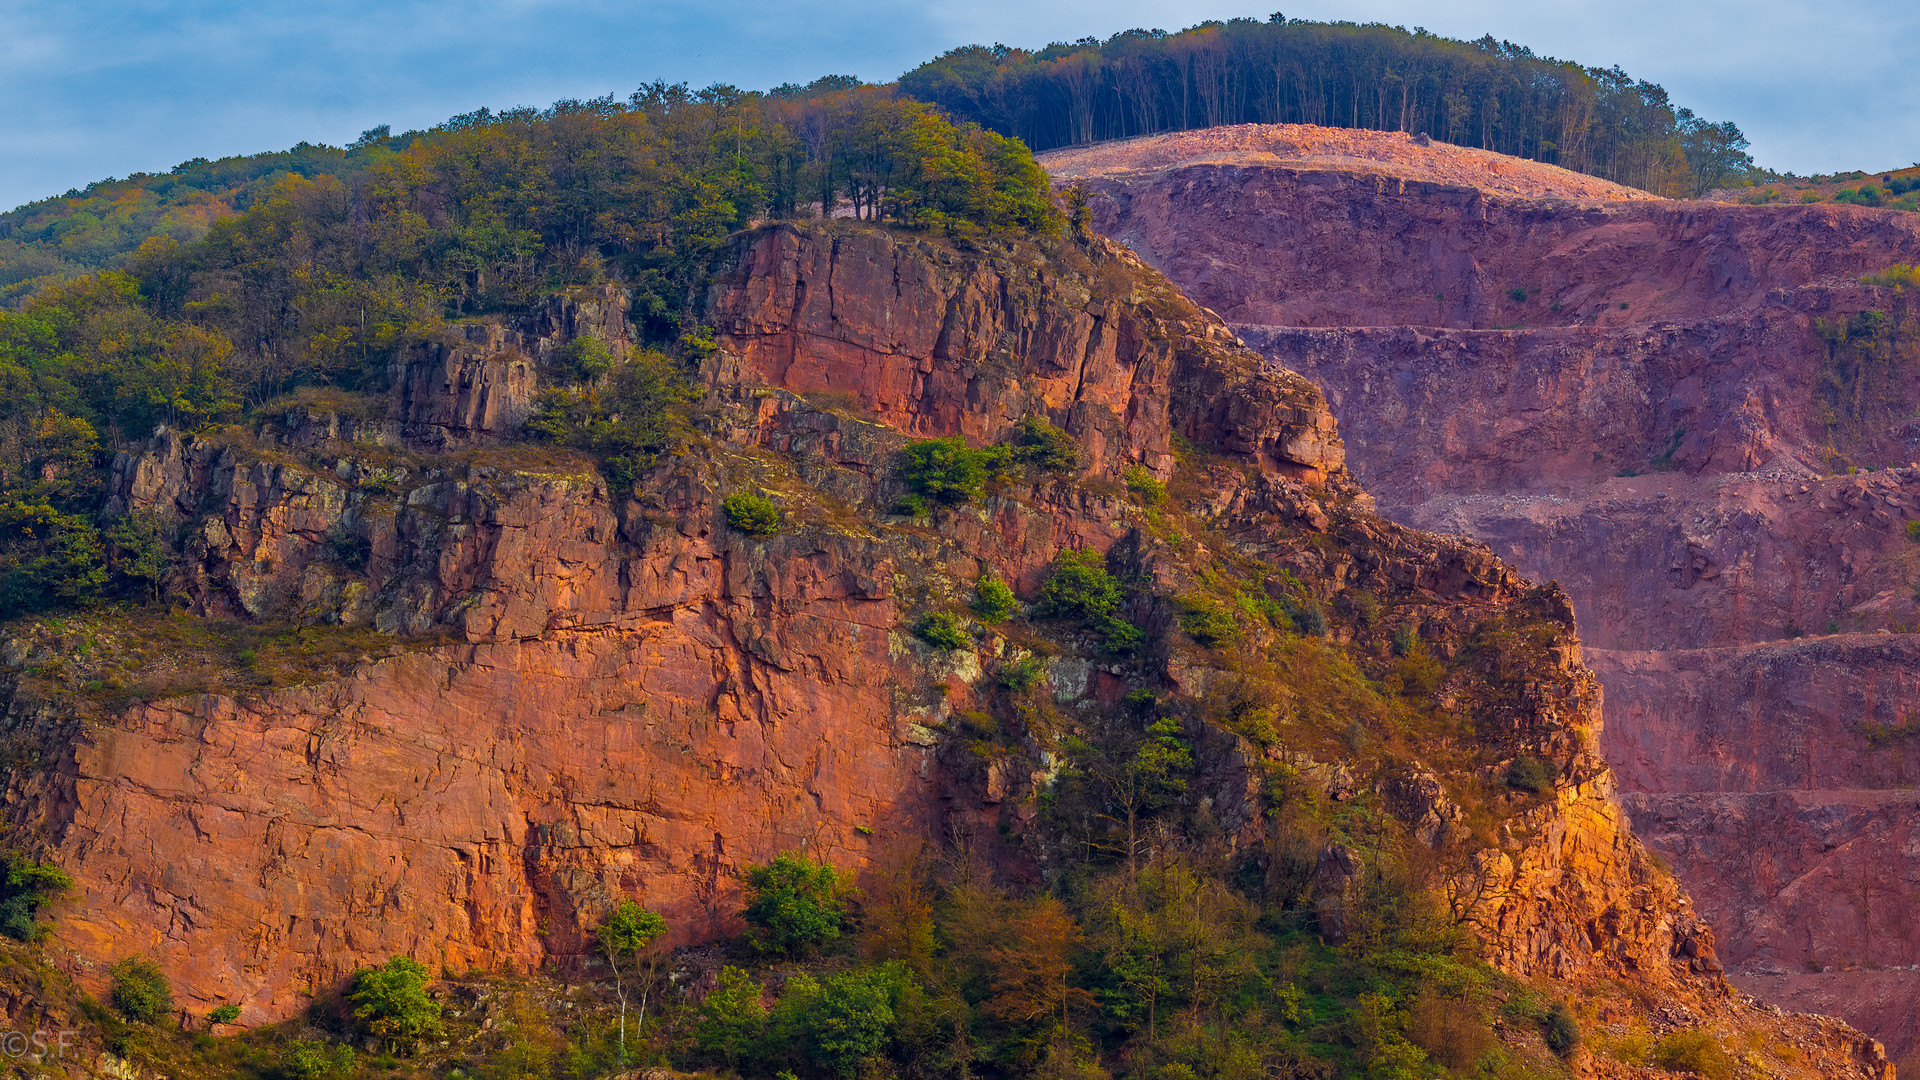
x=391, y=1002
x=140, y=990
x=794, y=905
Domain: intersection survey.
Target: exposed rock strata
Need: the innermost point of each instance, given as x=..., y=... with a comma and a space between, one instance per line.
x=1503, y=362
x=1793, y=766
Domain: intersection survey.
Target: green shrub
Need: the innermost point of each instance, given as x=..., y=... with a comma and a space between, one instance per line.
x=48, y=559
x=304, y=1059
x=1899, y=275
x=730, y=1024
x=843, y=1022
x=993, y=600
x=139, y=548
x=751, y=514
x=1149, y=491
x=224, y=1014
x=1517, y=295
x=1865, y=195
x=1695, y=1052
x=941, y=630
x=1418, y=673
x=1405, y=640
x=1022, y=675
x=1078, y=587
x=699, y=342
x=140, y=990
x=1560, y=1030
x=947, y=470
x=25, y=887
x=1452, y=1030
x=1303, y=617
x=1121, y=636
x=627, y=931
x=794, y=906
x=1040, y=444
x=1207, y=622
x=583, y=359
x=1913, y=532
x=1529, y=773
x=391, y=1003
x=1366, y=606
x=627, y=423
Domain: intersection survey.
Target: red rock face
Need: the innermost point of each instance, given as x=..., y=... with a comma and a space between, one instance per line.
x=1623, y=396
x=478, y=386
x=624, y=697
x=1338, y=244
x=475, y=804
x=642, y=699
x=1517, y=437
x=1808, y=755
x=933, y=344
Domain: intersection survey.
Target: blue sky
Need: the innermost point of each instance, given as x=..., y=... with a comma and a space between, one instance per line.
x=99, y=89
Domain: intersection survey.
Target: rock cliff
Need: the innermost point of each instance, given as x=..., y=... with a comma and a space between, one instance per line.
x=1654, y=404
x=508, y=691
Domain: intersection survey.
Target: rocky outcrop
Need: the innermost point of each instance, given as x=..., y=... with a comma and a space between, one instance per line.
x=927, y=342
x=637, y=699
x=478, y=384
x=1635, y=398
x=590, y=692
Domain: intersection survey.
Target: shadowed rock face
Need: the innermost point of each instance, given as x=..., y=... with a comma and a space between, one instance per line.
x=1629, y=397
x=612, y=694
x=1811, y=767
x=1517, y=437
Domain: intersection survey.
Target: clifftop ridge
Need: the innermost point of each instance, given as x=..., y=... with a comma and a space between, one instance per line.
x=1397, y=155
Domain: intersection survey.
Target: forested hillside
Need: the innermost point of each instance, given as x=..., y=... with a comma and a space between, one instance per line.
x=1488, y=94
x=504, y=197
x=315, y=267
x=1493, y=95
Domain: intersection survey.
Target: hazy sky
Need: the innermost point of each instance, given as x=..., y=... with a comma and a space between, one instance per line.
x=95, y=89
